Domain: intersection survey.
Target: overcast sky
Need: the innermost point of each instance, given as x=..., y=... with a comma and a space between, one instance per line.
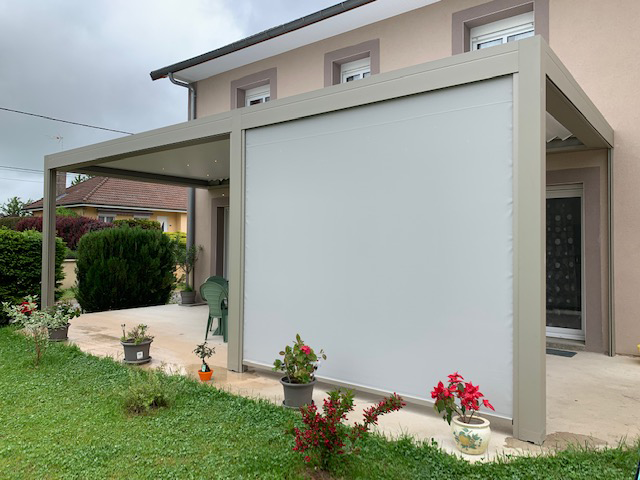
x=89, y=62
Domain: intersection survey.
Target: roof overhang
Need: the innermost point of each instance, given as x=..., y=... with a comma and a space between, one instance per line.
x=198, y=153
x=331, y=21
x=112, y=207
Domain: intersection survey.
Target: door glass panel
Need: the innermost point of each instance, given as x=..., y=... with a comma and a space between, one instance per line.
x=564, y=263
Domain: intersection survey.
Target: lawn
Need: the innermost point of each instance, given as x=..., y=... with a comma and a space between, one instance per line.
x=65, y=420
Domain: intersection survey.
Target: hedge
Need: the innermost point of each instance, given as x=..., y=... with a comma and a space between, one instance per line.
x=10, y=222
x=21, y=265
x=124, y=268
x=70, y=229
x=180, y=237
x=138, y=222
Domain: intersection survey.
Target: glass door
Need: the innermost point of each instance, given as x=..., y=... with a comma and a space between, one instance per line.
x=565, y=260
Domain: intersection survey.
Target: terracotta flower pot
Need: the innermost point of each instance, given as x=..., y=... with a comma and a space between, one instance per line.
x=471, y=438
x=297, y=395
x=205, y=376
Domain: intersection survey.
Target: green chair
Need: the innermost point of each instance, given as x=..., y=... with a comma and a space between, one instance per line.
x=215, y=291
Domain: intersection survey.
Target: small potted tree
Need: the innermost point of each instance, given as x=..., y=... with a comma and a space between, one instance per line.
x=299, y=363
x=203, y=351
x=471, y=433
x=136, y=343
x=186, y=259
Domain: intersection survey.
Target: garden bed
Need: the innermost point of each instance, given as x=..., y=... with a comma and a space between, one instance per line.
x=66, y=420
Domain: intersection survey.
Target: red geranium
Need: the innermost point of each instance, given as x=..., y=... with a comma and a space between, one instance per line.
x=468, y=394
x=25, y=308
x=305, y=349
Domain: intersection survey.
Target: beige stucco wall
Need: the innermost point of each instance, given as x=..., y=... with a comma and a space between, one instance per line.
x=599, y=42
x=204, y=233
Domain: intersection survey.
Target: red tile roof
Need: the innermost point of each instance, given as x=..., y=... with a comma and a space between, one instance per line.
x=121, y=193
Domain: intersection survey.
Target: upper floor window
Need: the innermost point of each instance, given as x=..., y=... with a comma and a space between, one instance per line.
x=257, y=95
x=503, y=31
x=355, y=70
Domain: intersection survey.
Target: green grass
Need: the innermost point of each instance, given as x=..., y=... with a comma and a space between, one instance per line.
x=68, y=294
x=66, y=420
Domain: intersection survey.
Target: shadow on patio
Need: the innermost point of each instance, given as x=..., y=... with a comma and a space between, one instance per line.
x=591, y=398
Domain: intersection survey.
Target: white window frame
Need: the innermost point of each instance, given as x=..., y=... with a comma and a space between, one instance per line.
x=163, y=220
x=257, y=95
x=105, y=218
x=356, y=70
x=502, y=30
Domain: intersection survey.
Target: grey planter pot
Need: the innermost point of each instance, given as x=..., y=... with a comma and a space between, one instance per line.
x=297, y=395
x=136, y=354
x=59, y=334
x=187, y=298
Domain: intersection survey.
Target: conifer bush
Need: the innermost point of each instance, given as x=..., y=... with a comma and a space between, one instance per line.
x=124, y=268
x=21, y=265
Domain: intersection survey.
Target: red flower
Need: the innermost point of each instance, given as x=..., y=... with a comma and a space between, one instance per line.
x=305, y=349
x=488, y=405
x=455, y=378
x=26, y=308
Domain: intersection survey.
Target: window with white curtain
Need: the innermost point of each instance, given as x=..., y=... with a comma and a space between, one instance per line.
x=257, y=95
x=355, y=70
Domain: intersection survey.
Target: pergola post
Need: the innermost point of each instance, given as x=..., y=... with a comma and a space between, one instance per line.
x=529, y=375
x=49, y=238
x=236, y=247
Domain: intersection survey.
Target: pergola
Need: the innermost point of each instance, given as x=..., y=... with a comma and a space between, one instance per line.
x=307, y=177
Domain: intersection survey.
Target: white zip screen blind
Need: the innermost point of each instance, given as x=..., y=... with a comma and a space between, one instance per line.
x=383, y=234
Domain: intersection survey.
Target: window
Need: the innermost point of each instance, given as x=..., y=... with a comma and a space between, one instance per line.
x=355, y=70
x=257, y=95
x=352, y=63
x=503, y=31
x=259, y=87
x=106, y=218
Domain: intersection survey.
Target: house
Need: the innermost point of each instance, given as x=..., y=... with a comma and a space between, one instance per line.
x=109, y=199
x=416, y=186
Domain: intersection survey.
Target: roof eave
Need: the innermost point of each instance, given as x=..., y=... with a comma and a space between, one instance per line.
x=261, y=37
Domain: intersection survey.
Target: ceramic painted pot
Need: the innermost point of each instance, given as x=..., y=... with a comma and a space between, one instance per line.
x=471, y=438
x=297, y=395
x=59, y=334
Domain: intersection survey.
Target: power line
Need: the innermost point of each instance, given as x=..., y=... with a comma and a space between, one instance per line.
x=20, y=169
x=64, y=121
x=21, y=180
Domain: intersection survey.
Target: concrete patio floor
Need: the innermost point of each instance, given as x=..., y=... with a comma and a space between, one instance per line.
x=591, y=398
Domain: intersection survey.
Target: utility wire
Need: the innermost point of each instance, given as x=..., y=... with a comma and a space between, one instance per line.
x=20, y=169
x=64, y=121
x=21, y=180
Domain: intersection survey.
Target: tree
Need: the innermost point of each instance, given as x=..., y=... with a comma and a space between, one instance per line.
x=15, y=208
x=80, y=178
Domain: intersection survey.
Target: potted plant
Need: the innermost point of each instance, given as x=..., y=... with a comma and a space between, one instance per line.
x=58, y=318
x=471, y=434
x=34, y=323
x=55, y=319
x=203, y=351
x=299, y=363
x=186, y=259
x=136, y=343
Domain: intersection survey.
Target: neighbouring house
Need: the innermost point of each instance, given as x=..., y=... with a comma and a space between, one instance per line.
x=109, y=199
x=416, y=186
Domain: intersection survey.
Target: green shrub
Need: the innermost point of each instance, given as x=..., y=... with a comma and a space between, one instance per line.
x=148, y=391
x=180, y=237
x=9, y=222
x=65, y=212
x=21, y=265
x=139, y=223
x=124, y=268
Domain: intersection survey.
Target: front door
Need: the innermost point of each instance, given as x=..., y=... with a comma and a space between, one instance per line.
x=565, y=260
